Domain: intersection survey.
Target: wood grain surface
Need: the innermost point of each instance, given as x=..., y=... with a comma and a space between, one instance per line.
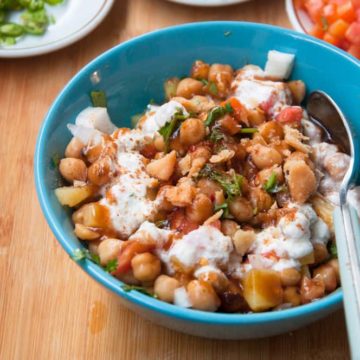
x=49, y=308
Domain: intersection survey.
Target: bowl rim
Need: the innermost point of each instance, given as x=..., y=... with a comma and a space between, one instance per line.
x=327, y=304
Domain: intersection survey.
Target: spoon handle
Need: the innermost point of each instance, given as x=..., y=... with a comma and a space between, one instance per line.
x=346, y=226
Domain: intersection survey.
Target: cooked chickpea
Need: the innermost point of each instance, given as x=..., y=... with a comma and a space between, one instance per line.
x=216, y=279
x=265, y=156
x=336, y=165
x=271, y=130
x=291, y=295
x=260, y=199
x=229, y=227
x=202, y=296
x=159, y=143
x=162, y=168
x=109, y=249
x=256, y=117
x=192, y=131
x=242, y=240
x=188, y=87
x=74, y=149
x=264, y=175
x=334, y=263
x=146, y=266
x=297, y=88
x=200, y=70
x=208, y=187
x=200, y=209
x=311, y=289
x=320, y=253
x=99, y=171
x=328, y=274
x=165, y=287
x=84, y=233
x=73, y=169
x=290, y=277
x=222, y=76
x=241, y=209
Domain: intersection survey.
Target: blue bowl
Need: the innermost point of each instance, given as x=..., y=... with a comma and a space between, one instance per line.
x=132, y=73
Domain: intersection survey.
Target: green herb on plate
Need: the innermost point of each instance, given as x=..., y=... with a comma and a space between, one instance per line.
x=98, y=99
x=128, y=288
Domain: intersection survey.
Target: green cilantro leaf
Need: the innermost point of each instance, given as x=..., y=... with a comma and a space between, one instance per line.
x=225, y=207
x=141, y=289
x=81, y=254
x=248, y=130
x=111, y=265
x=98, y=99
x=333, y=250
x=214, y=114
x=170, y=127
x=216, y=135
x=271, y=183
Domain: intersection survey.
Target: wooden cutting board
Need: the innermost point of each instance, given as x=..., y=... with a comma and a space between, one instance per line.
x=49, y=308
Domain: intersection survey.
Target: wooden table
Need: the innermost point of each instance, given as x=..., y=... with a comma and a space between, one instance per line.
x=49, y=309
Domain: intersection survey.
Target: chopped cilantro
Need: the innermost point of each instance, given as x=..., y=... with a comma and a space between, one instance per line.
x=333, y=250
x=225, y=207
x=216, y=135
x=231, y=183
x=228, y=107
x=170, y=127
x=271, y=183
x=213, y=88
x=81, y=254
x=98, y=99
x=324, y=23
x=162, y=224
x=141, y=289
x=216, y=113
x=111, y=265
x=55, y=160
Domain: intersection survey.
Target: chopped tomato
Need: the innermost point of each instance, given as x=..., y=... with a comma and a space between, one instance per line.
x=317, y=31
x=353, y=33
x=338, y=28
x=314, y=9
x=268, y=104
x=129, y=250
x=331, y=39
x=290, y=114
x=216, y=224
x=354, y=50
x=329, y=13
x=179, y=222
x=239, y=111
x=346, y=11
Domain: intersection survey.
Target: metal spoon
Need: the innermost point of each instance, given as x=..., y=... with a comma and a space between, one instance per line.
x=324, y=111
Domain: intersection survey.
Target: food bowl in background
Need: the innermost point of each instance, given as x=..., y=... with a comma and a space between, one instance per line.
x=131, y=74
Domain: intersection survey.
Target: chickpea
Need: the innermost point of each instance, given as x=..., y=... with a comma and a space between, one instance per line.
x=320, y=253
x=290, y=277
x=243, y=240
x=229, y=124
x=264, y=175
x=188, y=87
x=334, y=263
x=146, y=266
x=74, y=148
x=192, y=131
x=202, y=296
x=256, y=117
x=271, y=130
x=200, y=209
x=162, y=168
x=208, y=187
x=328, y=274
x=260, y=199
x=311, y=289
x=200, y=70
x=297, y=89
x=73, y=169
x=217, y=280
x=291, y=295
x=222, y=76
x=99, y=171
x=165, y=287
x=265, y=157
x=229, y=227
x=241, y=209
x=336, y=165
x=109, y=249
x=84, y=233
x=159, y=143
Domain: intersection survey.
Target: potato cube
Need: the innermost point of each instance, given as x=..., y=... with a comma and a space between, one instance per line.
x=72, y=196
x=262, y=289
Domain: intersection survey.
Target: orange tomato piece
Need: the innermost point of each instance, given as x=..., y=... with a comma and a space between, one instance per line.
x=354, y=50
x=338, y=28
x=314, y=9
x=290, y=114
x=239, y=111
x=317, y=31
x=353, y=33
x=331, y=39
x=346, y=11
x=329, y=13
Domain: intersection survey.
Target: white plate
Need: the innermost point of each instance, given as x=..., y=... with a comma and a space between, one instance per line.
x=208, y=2
x=74, y=19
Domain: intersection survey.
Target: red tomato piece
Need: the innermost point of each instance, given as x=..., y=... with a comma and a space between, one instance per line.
x=329, y=13
x=346, y=11
x=338, y=28
x=354, y=50
x=290, y=114
x=216, y=224
x=314, y=9
x=317, y=31
x=179, y=222
x=353, y=33
x=331, y=39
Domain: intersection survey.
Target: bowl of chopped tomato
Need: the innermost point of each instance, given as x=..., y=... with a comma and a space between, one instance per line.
x=334, y=21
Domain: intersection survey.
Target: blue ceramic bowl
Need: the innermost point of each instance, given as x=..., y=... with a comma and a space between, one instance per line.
x=132, y=74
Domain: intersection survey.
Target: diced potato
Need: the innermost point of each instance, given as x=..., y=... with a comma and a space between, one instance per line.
x=307, y=259
x=72, y=196
x=91, y=215
x=262, y=289
x=324, y=209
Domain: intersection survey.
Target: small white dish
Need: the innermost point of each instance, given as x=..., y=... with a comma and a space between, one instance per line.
x=208, y=2
x=73, y=20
